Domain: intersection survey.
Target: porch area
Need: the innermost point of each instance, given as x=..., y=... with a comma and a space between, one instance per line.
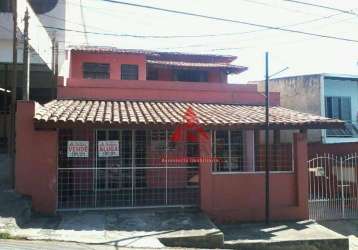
x=121, y=155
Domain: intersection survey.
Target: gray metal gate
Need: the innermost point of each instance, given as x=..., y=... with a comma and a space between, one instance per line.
x=333, y=187
x=138, y=175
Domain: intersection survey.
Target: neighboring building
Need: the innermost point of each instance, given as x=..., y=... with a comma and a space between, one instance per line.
x=42, y=85
x=137, y=128
x=329, y=95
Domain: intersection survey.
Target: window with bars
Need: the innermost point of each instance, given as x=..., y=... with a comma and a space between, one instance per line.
x=96, y=70
x=339, y=107
x=129, y=72
x=244, y=151
x=228, y=150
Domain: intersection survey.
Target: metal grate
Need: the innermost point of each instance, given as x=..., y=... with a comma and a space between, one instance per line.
x=138, y=176
x=333, y=187
x=243, y=151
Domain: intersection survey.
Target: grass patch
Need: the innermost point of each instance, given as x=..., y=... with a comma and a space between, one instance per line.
x=5, y=235
x=8, y=236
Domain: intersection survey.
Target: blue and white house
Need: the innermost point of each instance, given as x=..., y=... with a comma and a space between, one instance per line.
x=340, y=99
x=330, y=95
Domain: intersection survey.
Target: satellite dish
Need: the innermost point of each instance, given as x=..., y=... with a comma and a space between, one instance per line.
x=42, y=7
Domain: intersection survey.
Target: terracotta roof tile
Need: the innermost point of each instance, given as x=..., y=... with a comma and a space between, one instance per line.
x=168, y=113
x=219, y=65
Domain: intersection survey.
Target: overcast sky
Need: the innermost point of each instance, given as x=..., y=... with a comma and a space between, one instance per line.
x=302, y=54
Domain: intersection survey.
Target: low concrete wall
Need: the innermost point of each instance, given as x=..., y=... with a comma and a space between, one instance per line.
x=165, y=91
x=241, y=196
x=36, y=160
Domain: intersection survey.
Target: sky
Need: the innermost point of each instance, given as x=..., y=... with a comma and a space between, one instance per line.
x=302, y=54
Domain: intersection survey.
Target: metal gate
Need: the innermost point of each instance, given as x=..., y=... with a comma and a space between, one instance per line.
x=333, y=187
x=138, y=174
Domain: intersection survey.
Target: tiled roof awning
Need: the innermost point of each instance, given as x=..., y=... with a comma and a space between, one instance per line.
x=183, y=64
x=123, y=113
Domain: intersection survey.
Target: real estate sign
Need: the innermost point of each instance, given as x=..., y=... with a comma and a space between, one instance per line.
x=40, y=40
x=77, y=149
x=108, y=148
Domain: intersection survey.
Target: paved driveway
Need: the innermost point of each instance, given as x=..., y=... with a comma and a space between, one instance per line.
x=348, y=228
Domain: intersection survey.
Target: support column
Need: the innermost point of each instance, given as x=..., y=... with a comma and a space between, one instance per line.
x=301, y=171
x=205, y=174
x=249, y=144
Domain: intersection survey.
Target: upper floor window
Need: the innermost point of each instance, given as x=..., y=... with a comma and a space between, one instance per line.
x=129, y=72
x=191, y=75
x=96, y=71
x=338, y=107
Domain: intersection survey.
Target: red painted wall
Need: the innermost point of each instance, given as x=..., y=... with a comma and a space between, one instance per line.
x=336, y=149
x=165, y=75
x=115, y=61
x=240, y=197
x=165, y=91
x=36, y=160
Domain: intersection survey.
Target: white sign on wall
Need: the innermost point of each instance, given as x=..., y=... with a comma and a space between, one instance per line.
x=77, y=149
x=108, y=148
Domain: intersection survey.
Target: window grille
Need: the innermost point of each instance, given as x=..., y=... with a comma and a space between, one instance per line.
x=129, y=72
x=96, y=71
x=139, y=176
x=241, y=151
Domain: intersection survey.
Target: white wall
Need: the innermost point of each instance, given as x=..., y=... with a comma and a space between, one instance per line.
x=59, y=12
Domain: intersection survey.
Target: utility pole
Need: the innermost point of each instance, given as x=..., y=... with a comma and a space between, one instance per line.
x=26, y=60
x=54, y=66
x=11, y=144
x=5, y=101
x=267, y=124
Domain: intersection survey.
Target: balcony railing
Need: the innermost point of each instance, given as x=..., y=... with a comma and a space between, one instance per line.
x=349, y=131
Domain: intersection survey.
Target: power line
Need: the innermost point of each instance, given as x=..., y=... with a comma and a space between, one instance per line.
x=349, y=12
x=144, y=36
x=232, y=21
x=279, y=7
x=84, y=23
x=255, y=31
x=179, y=36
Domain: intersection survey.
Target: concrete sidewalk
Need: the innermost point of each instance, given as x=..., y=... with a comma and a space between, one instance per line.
x=348, y=228
x=149, y=229
x=51, y=245
x=301, y=235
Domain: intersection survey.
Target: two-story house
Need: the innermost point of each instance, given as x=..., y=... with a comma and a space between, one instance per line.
x=139, y=129
x=329, y=95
